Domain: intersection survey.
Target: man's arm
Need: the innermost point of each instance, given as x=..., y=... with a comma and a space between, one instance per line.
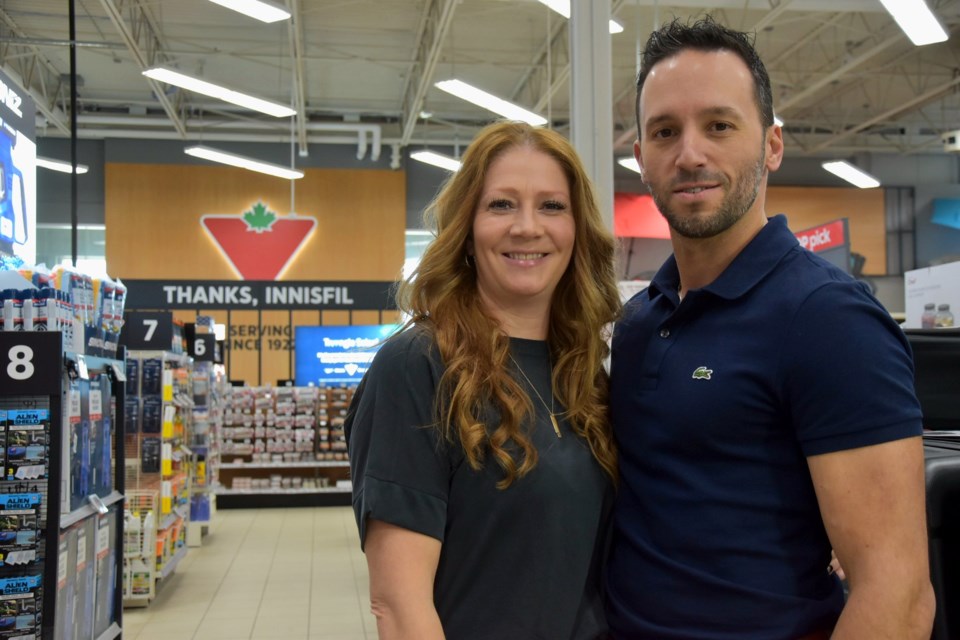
x=873, y=504
x=403, y=565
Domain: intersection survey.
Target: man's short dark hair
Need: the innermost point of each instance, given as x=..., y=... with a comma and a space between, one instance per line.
x=705, y=34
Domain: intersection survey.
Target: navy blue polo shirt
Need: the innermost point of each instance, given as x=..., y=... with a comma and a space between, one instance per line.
x=716, y=403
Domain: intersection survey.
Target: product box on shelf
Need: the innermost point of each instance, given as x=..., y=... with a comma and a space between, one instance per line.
x=19, y=528
x=26, y=443
x=20, y=606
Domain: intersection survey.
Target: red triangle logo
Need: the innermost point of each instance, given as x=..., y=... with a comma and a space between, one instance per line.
x=258, y=244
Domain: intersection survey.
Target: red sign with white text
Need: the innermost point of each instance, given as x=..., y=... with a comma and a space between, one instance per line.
x=823, y=237
x=258, y=244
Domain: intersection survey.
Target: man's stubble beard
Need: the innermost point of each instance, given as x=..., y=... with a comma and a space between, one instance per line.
x=734, y=206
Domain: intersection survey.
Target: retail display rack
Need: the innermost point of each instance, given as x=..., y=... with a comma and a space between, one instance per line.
x=209, y=387
x=159, y=469
x=284, y=446
x=60, y=493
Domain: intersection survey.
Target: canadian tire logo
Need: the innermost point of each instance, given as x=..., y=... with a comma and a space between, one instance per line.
x=258, y=244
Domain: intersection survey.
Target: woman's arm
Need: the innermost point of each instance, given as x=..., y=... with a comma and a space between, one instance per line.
x=402, y=566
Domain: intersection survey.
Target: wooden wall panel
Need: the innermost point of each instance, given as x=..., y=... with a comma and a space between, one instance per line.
x=367, y=317
x=243, y=345
x=810, y=206
x=276, y=346
x=305, y=319
x=328, y=318
x=152, y=215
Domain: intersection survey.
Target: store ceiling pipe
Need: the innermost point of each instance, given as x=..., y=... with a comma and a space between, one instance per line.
x=205, y=125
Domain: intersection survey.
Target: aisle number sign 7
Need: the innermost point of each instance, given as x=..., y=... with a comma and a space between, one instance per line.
x=148, y=330
x=151, y=326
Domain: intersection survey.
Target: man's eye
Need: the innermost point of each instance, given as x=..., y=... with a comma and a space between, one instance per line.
x=721, y=126
x=662, y=133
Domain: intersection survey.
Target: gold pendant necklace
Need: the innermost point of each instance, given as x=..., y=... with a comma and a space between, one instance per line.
x=553, y=417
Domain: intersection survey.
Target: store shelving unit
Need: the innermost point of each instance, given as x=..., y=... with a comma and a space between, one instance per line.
x=209, y=386
x=61, y=495
x=284, y=446
x=159, y=469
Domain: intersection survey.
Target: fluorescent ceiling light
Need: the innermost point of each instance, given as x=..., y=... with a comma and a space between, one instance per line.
x=490, y=102
x=629, y=162
x=216, y=91
x=563, y=8
x=851, y=174
x=437, y=160
x=59, y=165
x=916, y=20
x=260, y=9
x=243, y=162
x=777, y=121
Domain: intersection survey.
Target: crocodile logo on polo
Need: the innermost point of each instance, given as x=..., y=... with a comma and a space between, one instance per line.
x=258, y=244
x=702, y=373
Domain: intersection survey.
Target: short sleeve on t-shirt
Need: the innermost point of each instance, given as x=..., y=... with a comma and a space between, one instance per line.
x=848, y=372
x=399, y=461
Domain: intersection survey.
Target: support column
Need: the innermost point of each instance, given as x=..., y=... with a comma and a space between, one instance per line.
x=591, y=99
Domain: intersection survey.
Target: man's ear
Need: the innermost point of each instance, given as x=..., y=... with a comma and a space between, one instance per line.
x=636, y=154
x=774, y=145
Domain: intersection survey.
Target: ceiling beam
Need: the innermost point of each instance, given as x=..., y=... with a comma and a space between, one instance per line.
x=143, y=61
x=797, y=98
x=299, y=77
x=804, y=41
x=899, y=110
x=437, y=18
x=538, y=65
x=770, y=16
x=35, y=72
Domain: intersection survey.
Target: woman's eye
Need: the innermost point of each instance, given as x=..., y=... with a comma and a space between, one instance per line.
x=500, y=204
x=554, y=205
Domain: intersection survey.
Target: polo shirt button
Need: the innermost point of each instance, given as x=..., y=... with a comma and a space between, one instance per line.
x=664, y=333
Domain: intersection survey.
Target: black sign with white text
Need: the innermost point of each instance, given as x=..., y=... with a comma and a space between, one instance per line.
x=29, y=362
x=147, y=330
x=258, y=294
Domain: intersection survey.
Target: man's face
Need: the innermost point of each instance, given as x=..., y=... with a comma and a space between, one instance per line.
x=703, y=149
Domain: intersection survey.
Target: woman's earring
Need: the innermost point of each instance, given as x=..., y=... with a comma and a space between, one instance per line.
x=466, y=259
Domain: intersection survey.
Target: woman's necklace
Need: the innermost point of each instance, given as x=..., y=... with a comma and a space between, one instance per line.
x=553, y=417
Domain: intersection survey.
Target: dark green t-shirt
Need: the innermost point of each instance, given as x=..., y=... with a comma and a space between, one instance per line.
x=520, y=563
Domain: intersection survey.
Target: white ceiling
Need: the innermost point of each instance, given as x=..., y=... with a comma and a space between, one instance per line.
x=845, y=77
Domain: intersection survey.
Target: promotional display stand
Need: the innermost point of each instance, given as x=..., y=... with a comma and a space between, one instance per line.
x=60, y=493
x=159, y=414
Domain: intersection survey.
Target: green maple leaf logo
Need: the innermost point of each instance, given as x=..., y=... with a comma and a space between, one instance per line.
x=259, y=218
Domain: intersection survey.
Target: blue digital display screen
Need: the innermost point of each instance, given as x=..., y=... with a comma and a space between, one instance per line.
x=336, y=354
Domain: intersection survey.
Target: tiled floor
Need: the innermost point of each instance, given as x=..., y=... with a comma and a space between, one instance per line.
x=268, y=574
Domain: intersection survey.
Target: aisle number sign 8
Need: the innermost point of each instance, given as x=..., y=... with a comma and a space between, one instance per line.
x=29, y=362
x=21, y=362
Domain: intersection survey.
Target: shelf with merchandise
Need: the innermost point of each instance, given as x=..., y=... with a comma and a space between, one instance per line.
x=283, y=440
x=60, y=497
x=160, y=462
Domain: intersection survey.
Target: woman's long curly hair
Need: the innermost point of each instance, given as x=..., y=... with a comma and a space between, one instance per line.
x=442, y=297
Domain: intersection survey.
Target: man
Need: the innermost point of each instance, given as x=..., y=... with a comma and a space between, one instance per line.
x=762, y=400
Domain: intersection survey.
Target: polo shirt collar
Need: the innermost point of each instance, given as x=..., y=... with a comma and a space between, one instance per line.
x=751, y=266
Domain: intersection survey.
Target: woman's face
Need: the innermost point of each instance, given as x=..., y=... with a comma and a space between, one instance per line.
x=523, y=231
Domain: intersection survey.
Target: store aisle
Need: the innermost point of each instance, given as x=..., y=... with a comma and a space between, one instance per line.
x=268, y=574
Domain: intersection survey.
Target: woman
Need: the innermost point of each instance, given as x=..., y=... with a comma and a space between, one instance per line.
x=481, y=455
